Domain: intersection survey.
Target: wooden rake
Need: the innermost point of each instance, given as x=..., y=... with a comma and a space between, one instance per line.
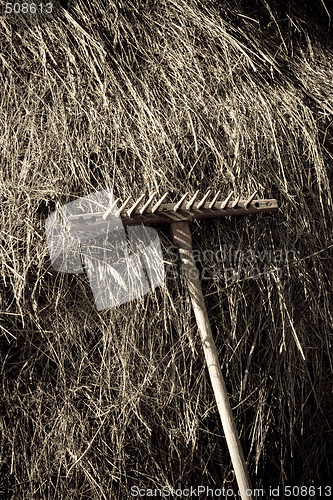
x=179, y=215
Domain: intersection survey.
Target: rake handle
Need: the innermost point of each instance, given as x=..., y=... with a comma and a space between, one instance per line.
x=181, y=236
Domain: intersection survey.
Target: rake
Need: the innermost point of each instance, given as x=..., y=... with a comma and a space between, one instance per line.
x=178, y=216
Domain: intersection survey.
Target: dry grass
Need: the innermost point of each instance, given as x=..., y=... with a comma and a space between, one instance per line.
x=169, y=95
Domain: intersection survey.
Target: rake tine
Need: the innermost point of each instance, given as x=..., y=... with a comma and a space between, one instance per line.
x=109, y=210
x=248, y=201
x=146, y=205
x=159, y=203
x=132, y=209
x=192, y=200
x=235, y=202
x=211, y=205
x=225, y=202
x=202, y=202
x=123, y=206
x=175, y=208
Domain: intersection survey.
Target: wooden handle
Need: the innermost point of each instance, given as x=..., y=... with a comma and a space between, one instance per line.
x=181, y=237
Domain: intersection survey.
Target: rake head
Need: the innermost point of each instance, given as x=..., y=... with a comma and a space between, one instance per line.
x=167, y=213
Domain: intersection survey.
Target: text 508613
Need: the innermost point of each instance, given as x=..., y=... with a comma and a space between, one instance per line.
x=28, y=8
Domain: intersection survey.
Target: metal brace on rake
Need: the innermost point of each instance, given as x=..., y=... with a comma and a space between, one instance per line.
x=178, y=216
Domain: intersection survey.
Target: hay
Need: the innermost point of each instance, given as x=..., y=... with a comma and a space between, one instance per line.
x=178, y=96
